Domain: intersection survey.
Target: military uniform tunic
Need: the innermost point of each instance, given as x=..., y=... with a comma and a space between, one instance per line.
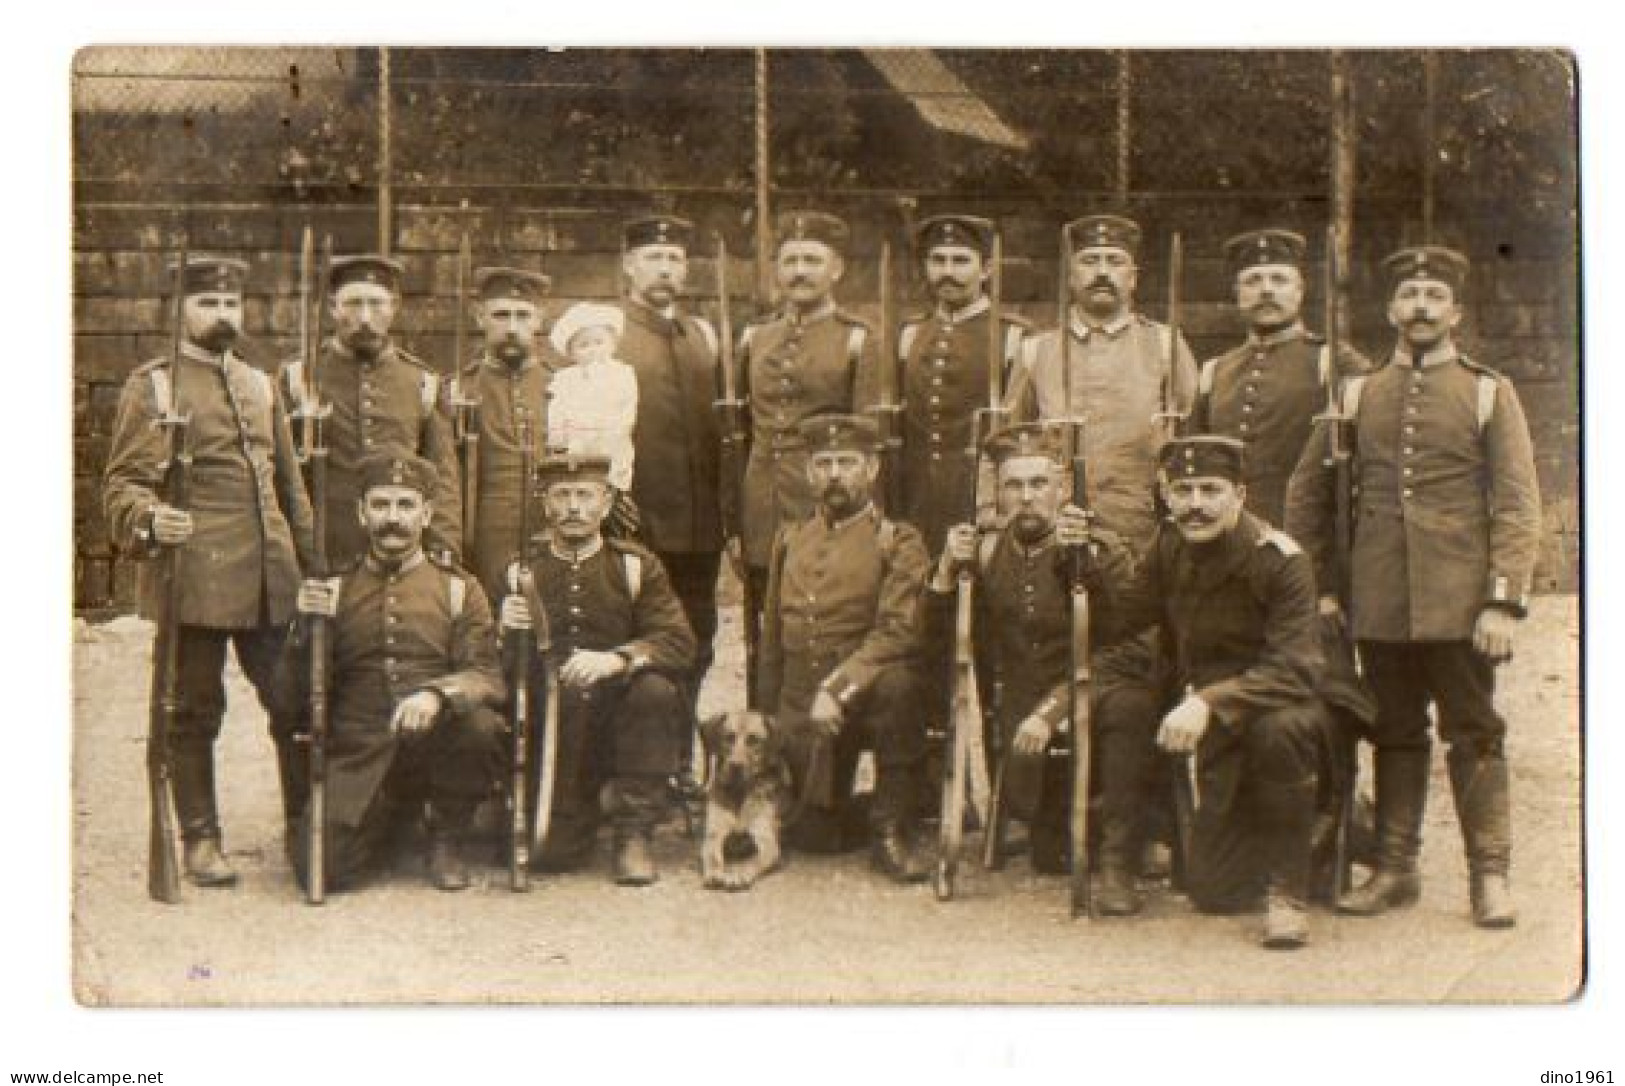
x=1116, y=385
x=795, y=366
x=944, y=383
x=1266, y=392
x=503, y=392
x=1447, y=508
x=386, y=404
x=251, y=519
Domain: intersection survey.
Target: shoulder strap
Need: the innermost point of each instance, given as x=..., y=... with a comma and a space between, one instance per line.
x=1486, y=400
x=1014, y=336
x=294, y=374
x=906, y=337
x=1351, y=395
x=709, y=333
x=632, y=565
x=986, y=549
x=1204, y=379
x=429, y=391
x=457, y=591
x=855, y=337
x=1324, y=369
x=162, y=390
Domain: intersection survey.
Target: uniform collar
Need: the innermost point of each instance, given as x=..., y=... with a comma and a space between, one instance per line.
x=345, y=353
x=1044, y=544
x=823, y=312
x=1293, y=331
x=838, y=525
x=965, y=313
x=492, y=362
x=1226, y=553
x=1111, y=329
x=581, y=555
x=408, y=564
x=1444, y=352
x=644, y=313
x=195, y=353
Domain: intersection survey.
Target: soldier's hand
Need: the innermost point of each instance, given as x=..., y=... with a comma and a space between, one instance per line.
x=416, y=713
x=1073, y=528
x=1331, y=613
x=515, y=613
x=826, y=714
x=1033, y=736
x=317, y=597
x=1184, y=727
x=171, y=526
x=1492, y=634
x=958, y=551
x=585, y=667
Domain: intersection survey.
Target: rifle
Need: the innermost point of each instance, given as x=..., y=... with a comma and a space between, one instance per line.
x=1169, y=418
x=730, y=412
x=1079, y=722
x=964, y=722
x=163, y=865
x=889, y=411
x=465, y=423
x=525, y=642
x=989, y=421
x=541, y=642
x=1187, y=804
x=310, y=415
x=1339, y=460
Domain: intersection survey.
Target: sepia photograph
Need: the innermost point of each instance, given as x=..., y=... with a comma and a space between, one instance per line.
x=808, y=526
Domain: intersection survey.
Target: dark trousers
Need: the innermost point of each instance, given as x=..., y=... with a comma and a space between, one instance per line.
x=1256, y=812
x=751, y=608
x=694, y=579
x=1407, y=676
x=615, y=733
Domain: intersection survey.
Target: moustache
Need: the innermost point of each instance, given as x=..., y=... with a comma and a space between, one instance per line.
x=1197, y=520
x=1103, y=284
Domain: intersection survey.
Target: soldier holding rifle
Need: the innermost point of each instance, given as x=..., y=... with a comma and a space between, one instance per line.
x=238, y=546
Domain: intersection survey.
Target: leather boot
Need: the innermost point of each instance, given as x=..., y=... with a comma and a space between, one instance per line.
x=891, y=827
x=1402, y=790
x=192, y=770
x=635, y=805
x=448, y=869
x=1287, y=822
x=1481, y=787
x=1117, y=891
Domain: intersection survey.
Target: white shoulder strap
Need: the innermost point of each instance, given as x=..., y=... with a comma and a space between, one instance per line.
x=633, y=565
x=854, y=345
x=1165, y=340
x=294, y=374
x=906, y=338
x=162, y=390
x=457, y=589
x=1324, y=369
x=1204, y=380
x=1351, y=395
x=1486, y=400
x=985, y=550
x=708, y=332
x=429, y=391
x=1014, y=337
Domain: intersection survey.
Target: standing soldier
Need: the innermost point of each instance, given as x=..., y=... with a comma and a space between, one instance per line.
x=623, y=651
x=1236, y=602
x=677, y=484
x=1023, y=634
x=839, y=665
x=384, y=402
x=808, y=358
x=509, y=381
x=1115, y=376
x=945, y=372
x=415, y=686
x=241, y=545
x=1266, y=391
x=1447, y=526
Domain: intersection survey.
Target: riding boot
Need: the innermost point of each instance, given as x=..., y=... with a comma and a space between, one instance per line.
x=192, y=770
x=1402, y=789
x=892, y=849
x=448, y=826
x=1481, y=787
x=634, y=806
x=1116, y=889
x=1286, y=818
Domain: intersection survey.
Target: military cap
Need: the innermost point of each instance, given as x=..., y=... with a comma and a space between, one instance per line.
x=211, y=274
x=811, y=226
x=1029, y=439
x=1104, y=232
x=568, y=467
x=656, y=230
x=967, y=230
x=525, y=286
x=1203, y=455
x=366, y=268
x=833, y=432
x=1269, y=246
x=382, y=469
x=1426, y=262
x=585, y=315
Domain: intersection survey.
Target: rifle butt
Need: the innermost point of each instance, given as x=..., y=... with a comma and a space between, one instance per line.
x=548, y=743
x=993, y=840
x=1082, y=900
x=951, y=829
x=519, y=786
x=316, y=829
x=163, y=865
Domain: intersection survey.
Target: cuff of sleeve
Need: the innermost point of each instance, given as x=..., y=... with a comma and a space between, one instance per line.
x=1498, y=593
x=636, y=657
x=841, y=687
x=451, y=695
x=1215, y=697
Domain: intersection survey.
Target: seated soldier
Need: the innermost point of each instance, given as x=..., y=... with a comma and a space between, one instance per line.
x=1022, y=630
x=622, y=647
x=838, y=664
x=1236, y=601
x=414, y=686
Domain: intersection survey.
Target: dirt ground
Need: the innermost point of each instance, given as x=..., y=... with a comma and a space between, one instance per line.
x=821, y=930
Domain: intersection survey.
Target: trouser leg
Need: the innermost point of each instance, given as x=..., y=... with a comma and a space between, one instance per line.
x=893, y=719
x=258, y=654
x=649, y=724
x=751, y=613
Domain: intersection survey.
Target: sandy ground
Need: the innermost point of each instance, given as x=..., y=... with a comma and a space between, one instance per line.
x=822, y=930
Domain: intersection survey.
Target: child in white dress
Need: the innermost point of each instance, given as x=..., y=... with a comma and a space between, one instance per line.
x=593, y=403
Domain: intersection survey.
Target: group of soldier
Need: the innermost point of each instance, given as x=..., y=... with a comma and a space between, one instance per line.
x=1208, y=521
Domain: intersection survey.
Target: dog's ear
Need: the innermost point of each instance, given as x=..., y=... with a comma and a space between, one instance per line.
x=774, y=744
x=711, y=732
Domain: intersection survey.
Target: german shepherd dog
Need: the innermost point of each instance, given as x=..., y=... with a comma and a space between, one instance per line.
x=745, y=802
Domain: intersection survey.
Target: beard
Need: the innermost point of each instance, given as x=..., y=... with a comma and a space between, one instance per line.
x=838, y=500
x=217, y=337
x=658, y=295
x=511, y=350
x=1030, y=528
x=365, y=342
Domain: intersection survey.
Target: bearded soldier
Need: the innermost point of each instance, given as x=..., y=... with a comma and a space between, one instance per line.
x=240, y=544
x=1446, y=529
x=384, y=401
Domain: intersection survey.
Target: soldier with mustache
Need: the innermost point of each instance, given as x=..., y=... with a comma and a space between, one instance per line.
x=1446, y=531
x=384, y=401
x=241, y=544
